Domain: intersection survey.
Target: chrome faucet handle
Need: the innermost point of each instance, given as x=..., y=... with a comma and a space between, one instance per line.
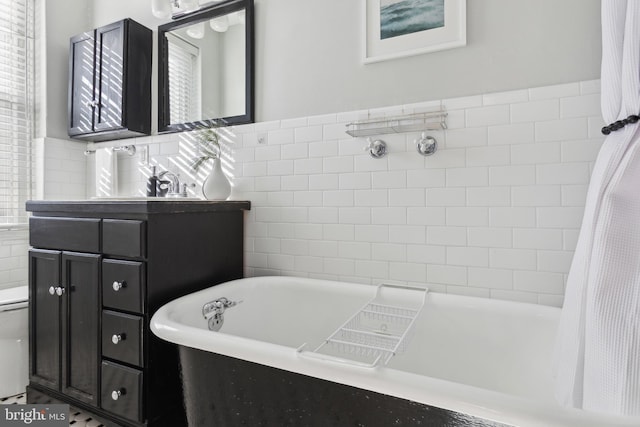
x=377, y=148
x=426, y=145
x=217, y=307
x=213, y=312
x=185, y=192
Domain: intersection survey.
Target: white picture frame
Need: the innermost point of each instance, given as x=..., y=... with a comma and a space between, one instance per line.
x=451, y=35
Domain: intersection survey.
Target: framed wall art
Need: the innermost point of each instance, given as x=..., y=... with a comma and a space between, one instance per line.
x=398, y=28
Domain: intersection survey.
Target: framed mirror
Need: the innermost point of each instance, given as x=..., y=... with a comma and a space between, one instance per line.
x=206, y=68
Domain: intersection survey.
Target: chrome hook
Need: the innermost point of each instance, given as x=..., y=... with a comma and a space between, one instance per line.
x=426, y=145
x=377, y=149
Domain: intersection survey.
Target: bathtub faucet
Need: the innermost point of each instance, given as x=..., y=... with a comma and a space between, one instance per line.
x=213, y=311
x=218, y=306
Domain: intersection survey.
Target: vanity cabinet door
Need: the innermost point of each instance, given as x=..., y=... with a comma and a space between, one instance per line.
x=44, y=314
x=80, y=324
x=64, y=322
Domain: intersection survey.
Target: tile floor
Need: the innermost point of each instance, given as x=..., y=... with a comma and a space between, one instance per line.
x=77, y=418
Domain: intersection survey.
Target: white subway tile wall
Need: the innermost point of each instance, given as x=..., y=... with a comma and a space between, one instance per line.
x=14, y=245
x=61, y=169
x=494, y=213
x=60, y=173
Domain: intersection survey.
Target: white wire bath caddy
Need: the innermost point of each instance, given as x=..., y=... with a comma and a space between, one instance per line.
x=373, y=335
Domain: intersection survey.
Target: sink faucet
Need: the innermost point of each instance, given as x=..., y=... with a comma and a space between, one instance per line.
x=174, y=190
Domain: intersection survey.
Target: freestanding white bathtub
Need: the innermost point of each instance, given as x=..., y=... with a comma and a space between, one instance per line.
x=484, y=359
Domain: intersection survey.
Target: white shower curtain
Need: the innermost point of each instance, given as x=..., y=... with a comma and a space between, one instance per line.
x=597, y=358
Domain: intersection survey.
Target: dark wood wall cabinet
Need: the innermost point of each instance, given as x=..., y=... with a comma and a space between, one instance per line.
x=97, y=273
x=110, y=82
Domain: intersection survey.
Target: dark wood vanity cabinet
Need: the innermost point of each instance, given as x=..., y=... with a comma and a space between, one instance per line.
x=98, y=272
x=110, y=82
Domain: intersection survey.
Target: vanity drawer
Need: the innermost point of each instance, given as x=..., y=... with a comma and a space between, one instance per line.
x=122, y=391
x=122, y=337
x=70, y=234
x=123, y=285
x=124, y=238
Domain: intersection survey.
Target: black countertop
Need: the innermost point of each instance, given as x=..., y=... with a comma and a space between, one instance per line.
x=143, y=206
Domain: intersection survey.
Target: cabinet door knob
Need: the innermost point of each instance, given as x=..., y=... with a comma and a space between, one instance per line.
x=116, y=338
x=56, y=290
x=115, y=394
x=118, y=285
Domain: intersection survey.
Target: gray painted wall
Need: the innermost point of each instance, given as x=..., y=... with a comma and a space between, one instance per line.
x=309, y=54
x=62, y=20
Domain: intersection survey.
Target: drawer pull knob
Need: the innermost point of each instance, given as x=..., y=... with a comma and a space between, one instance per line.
x=116, y=338
x=56, y=290
x=118, y=285
x=115, y=394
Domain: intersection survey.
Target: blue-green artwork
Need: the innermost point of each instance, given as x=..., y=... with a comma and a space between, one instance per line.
x=400, y=17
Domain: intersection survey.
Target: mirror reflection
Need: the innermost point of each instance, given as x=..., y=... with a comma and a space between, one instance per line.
x=202, y=86
x=206, y=69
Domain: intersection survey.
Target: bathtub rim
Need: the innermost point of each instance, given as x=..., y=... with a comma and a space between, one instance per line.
x=472, y=400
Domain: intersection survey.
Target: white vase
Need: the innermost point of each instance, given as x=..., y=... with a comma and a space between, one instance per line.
x=216, y=186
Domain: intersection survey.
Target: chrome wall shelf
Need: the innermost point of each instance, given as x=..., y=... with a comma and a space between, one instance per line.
x=432, y=120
